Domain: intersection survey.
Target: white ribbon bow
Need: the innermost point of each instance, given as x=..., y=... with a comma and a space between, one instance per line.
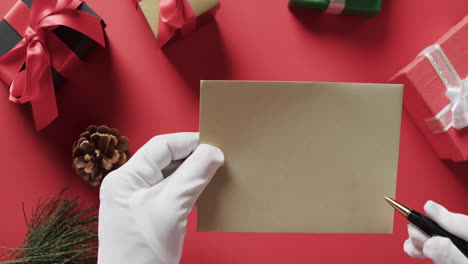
x=454, y=114
x=459, y=97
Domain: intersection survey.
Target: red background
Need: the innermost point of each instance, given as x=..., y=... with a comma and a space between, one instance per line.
x=134, y=86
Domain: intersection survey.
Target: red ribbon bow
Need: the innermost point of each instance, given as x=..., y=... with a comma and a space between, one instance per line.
x=35, y=84
x=174, y=15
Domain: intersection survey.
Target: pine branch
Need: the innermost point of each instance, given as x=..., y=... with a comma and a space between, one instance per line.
x=60, y=230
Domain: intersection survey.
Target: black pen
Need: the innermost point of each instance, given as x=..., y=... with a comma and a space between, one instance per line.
x=428, y=226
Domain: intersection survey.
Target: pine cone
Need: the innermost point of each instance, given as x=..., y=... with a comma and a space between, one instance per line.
x=99, y=151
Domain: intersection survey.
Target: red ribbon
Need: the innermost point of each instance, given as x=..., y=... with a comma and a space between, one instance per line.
x=174, y=15
x=35, y=84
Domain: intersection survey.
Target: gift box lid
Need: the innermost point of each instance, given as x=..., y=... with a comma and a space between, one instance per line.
x=76, y=41
x=425, y=92
x=422, y=74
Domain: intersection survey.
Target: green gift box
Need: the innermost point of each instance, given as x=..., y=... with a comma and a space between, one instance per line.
x=347, y=7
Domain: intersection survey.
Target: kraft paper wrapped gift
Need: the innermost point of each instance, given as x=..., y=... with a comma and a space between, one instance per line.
x=346, y=7
x=40, y=44
x=172, y=18
x=436, y=92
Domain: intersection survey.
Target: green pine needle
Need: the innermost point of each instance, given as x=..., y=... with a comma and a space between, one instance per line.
x=60, y=231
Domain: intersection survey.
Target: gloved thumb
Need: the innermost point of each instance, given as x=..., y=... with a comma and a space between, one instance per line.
x=442, y=251
x=185, y=185
x=452, y=222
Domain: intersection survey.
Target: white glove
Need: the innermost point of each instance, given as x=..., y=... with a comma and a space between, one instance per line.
x=143, y=216
x=440, y=249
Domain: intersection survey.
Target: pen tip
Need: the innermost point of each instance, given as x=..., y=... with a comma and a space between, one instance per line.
x=399, y=207
x=389, y=200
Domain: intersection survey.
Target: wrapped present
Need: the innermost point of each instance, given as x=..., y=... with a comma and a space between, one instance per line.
x=169, y=19
x=436, y=93
x=346, y=7
x=39, y=41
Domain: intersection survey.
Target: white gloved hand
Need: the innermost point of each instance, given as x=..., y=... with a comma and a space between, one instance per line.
x=143, y=216
x=440, y=249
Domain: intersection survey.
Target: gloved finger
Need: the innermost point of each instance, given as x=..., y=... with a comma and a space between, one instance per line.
x=147, y=164
x=417, y=237
x=186, y=184
x=456, y=224
x=442, y=251
x=412, y=250
x=172, y=167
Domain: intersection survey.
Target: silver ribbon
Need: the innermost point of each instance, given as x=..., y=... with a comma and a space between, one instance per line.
x=336, y=6
x=454, y=114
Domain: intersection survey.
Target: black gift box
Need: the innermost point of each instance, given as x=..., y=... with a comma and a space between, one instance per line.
x=78, y=43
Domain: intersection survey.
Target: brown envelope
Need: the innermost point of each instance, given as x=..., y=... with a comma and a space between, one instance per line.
x=300, y=157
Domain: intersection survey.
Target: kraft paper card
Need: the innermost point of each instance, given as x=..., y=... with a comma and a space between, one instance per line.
x=300, y=157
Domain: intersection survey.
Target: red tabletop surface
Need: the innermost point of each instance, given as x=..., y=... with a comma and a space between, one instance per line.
x=134, y=86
